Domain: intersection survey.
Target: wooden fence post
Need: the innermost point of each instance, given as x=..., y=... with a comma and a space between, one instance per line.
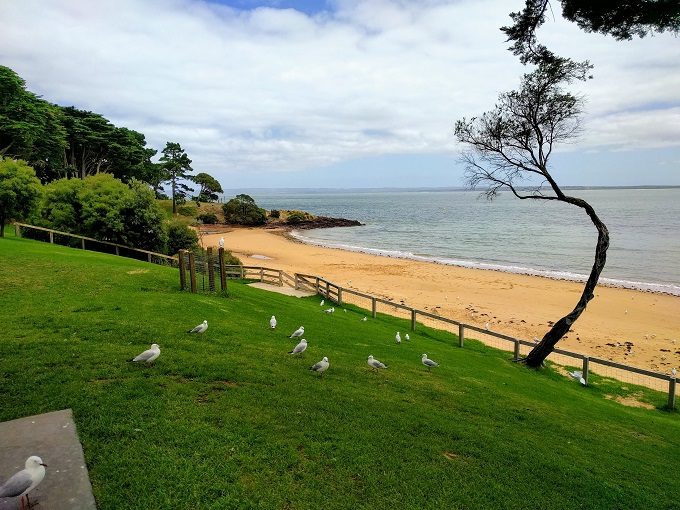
x=192, y=271
x=51, y=237
x=182, y=274
x=328, y=294
x=516, y=350
x=340, y=295
x=17, y=230
x=413, y=319
x=297, y=283
x=585, y=369
x=223, y=270
x=243, y=274
x=211, y=270
x=461, y=335
x=671, y=393
x=280, y=278
x=82, y=243
x=261, y=275
x=374, y=307
x=318, y=288
x=117, y=252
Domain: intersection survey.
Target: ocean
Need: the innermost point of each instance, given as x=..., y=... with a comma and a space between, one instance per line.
x=507, y=234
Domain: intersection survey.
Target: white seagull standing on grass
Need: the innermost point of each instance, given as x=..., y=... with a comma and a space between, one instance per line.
x=321, y=366
x=298, y=332
x=21, y=483
x=272, y=322
x=374, y=363
x=299, y=348
x=577, y=374
x=397, y=337
x=149, y=355
x=364, y=319
x=408, y=338
x=330, y=310
x=322, y=302
x=201, y=328
x=428, y=362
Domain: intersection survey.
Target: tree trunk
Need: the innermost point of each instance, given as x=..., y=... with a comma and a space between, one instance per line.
x=174, y=207
x=2, y=224
x=538, y=354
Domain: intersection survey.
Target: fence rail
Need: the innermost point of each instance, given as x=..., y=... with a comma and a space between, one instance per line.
x=88, y=243
x=339, y=294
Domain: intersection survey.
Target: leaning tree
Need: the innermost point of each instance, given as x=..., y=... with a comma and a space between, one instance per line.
x=509, y=148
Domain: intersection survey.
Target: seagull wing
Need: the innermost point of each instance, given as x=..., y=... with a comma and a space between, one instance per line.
x=16, y=485
x=145, y=355
x=197, y=329
x=317, y=366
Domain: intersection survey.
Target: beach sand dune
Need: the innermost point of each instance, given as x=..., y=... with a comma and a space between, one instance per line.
x=633, y=327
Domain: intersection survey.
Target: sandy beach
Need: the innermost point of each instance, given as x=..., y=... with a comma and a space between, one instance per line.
x=517, y=305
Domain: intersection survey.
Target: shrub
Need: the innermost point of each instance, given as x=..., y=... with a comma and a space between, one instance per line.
x=207, y=218
x=180, y=237
x=20, y=191
x=243, y=210
x=295, y=217
x=274, y=213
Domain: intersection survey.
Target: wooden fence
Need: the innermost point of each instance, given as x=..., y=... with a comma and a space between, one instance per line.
x=339, y=295
x=89, y=243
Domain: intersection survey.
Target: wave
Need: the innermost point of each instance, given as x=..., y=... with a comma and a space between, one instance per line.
x=663, y=288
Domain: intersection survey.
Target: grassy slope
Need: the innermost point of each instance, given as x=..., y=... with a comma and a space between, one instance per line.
x=229, y=420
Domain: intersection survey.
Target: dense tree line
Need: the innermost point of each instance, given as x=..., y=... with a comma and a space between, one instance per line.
x=66, y=142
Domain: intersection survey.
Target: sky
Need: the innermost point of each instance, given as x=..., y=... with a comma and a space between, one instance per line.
x=337, y=93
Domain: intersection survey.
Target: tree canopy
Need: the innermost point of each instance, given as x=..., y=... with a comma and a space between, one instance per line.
x=209, y=187
x=243, y=210
x=177, y=166
x=105, y=208
x=20, y=191
x=622, y=19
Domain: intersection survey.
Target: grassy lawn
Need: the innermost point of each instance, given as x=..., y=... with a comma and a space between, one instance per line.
x=229, y=420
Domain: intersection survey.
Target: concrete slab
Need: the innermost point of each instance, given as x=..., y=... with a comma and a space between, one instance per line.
x=288, y=291
x=53, y=437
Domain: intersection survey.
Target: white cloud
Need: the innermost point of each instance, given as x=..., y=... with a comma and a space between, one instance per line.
x=278, y=90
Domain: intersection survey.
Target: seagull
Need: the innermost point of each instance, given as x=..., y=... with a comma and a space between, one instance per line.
x=674, y=372
x=330, y=310
x=428, y=362
x=408, y=338
x=487, y=326
x=298, y=332
x=299, y=348
x=221, y=242
x=397, y=337
x=321, y=366
x=322, y=302
x=201, y=328
x=374, y=363
x=577, y=374
x=272, y=322
x=364, y=319
x=149, y=355
x=344, y=310
x=21, y=483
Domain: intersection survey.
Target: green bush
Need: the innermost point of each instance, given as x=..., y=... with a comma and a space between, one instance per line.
x=207, y=218
x=243, y=210
x=296, y=217
x=274, y=213
x=180, y=237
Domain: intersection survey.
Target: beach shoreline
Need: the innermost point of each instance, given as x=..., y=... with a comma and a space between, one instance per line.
x=636, y=327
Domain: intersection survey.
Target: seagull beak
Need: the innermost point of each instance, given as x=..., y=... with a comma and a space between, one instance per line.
x=44, y=465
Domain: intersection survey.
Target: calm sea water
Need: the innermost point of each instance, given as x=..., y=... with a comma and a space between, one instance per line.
x=508, y=234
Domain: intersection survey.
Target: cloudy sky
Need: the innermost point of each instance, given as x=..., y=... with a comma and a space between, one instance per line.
x=341, y=93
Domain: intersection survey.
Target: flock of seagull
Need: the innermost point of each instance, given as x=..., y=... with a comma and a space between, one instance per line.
x=150, y=355
x=22, y=482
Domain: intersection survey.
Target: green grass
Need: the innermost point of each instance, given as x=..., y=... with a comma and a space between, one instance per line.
x=229, y=420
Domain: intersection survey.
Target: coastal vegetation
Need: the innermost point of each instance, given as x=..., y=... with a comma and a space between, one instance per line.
x=242, y=210
x=229, y=420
